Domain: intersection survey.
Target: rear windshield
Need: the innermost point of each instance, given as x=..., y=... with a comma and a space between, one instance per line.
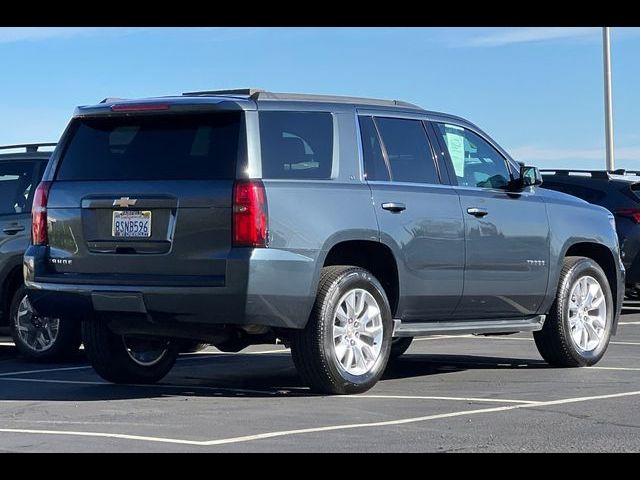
x=162, y=147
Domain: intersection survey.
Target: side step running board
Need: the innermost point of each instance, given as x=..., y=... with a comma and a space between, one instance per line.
x=480, y=327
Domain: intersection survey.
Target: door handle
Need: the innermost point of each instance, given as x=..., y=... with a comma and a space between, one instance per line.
x=13, y=229
x=394, y=207
x=477, y=212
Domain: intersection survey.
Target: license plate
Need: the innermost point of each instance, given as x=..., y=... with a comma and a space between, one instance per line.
x=131, y=224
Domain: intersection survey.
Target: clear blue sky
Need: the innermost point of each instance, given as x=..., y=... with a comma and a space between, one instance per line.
x=537, y=91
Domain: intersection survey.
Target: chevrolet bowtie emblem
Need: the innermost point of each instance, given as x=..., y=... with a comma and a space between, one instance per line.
x=124, y=202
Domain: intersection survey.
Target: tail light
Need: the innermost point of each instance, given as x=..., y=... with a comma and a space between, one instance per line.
x=249, y=214
x=39, y=234
x=632, y=213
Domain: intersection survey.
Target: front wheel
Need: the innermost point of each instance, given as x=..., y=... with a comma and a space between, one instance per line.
x=41, y=338
x=124, y=359
x=577, y=330
x=345, y=345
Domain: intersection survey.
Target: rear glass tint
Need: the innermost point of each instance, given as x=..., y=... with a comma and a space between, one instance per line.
x=296, y=144
x=162, y=147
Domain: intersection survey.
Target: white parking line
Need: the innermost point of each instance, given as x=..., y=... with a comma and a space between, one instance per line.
x=628, y=323
x=454, y=399
x=7, y=344
x=99, y=435
x=633, y=369
x=282, y=350
x=44, y=370
x=186, y=356
x=144, y=385
x=349, y=426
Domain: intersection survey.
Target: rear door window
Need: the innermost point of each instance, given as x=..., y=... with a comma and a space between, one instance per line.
x=296, y=145
x=162, y=147
x=408, y=150
x=17, y=183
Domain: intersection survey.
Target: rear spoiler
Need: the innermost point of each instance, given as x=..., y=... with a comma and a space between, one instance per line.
x=29, y=147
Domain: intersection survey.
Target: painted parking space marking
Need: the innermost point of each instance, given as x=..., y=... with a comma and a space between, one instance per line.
x=185, y=356
x=192, y=354
x=421, y=397
x=628, y=323
x=43, y=370
x=143, y=385
x=270, y=392
x=351, y=426
x=595, y=367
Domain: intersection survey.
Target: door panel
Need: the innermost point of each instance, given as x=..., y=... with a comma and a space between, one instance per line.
x=418, y=218
x=506, y=233
x=429, y=238
x=507, y=254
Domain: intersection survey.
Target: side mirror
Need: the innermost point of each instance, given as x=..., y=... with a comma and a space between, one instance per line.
x=530, y=176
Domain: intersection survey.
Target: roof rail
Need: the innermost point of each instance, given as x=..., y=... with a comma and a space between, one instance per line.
x=29, y=147
x=567, y=171
x=258, y=94
x=622, y=171
x=251, y=92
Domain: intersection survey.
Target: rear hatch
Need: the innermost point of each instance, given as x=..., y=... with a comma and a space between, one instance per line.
x=145, y=198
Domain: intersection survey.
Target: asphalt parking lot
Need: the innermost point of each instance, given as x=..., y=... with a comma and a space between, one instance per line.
x=446, y=394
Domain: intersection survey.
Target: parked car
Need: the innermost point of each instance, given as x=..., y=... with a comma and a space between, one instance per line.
x=36, y=337
x=333, y=224
x=618, y=192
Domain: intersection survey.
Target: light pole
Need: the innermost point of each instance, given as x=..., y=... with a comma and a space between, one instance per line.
x=608, y=108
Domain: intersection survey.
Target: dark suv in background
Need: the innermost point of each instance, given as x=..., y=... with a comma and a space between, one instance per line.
x=43, y=338
x=341, y=226
x=619, y=192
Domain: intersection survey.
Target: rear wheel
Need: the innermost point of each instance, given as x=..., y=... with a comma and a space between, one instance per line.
x=577, y=330
x=124, y=359
x=41, y=338
x=346, y=343
x=399, y=345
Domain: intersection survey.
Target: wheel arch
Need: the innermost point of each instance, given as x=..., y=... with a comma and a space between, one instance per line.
x=12, y=279
x=601, y=255
x=372, y=255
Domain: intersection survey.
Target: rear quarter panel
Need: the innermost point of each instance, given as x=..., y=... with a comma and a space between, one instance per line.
x=306, y=219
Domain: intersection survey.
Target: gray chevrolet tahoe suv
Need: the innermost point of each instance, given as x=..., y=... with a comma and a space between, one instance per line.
x=36, y=337
x=343, y=227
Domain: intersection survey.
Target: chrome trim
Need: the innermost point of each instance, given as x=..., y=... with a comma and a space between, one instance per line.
x=397, y=323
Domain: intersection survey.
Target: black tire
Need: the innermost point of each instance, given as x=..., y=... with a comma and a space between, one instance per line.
x=110, y=359
x=312, y=348
x=399, y=345
x=554, y=341
x=64, y=346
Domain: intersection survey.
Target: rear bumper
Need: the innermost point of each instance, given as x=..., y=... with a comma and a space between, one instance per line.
x=261, y=287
